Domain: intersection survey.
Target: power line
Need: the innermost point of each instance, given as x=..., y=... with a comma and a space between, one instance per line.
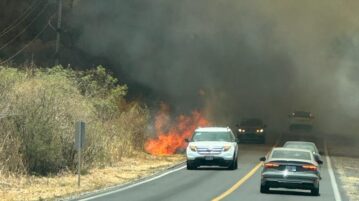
x=27, y=45
x=23, y=31
x=20, y=19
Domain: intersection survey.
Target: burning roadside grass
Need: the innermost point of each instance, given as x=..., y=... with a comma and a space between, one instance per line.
x=171, y=134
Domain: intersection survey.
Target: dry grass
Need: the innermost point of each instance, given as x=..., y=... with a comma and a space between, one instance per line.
x=49, y=188
x=344, y=150
x=347, y=168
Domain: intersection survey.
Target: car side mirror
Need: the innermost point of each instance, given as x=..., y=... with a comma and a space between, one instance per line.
x=187, y=140
x=317, y=159
x=262, y=158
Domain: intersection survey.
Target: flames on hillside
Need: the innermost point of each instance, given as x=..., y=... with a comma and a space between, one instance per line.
x=171, y=133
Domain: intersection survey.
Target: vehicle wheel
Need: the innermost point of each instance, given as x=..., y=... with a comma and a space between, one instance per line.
x=315, y=191
x=233, y=165
x=191, y=166
x=236, y=164
x=264, y=189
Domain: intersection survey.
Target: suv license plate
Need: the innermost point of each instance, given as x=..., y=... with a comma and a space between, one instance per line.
x=208, y=158
x=291, y=168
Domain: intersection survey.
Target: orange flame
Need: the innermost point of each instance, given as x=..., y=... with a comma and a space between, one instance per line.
x=171, y=136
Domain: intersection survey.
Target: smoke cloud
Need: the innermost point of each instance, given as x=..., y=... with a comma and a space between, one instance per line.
x=236, y=58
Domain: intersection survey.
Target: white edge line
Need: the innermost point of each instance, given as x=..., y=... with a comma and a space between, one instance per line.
x=133, y=185
x=336, y=192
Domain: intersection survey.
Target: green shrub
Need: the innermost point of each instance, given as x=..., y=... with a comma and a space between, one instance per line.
x=41, y=106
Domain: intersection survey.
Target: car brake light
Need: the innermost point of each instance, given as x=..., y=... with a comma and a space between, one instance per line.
x=271, y=165
x=310, y=167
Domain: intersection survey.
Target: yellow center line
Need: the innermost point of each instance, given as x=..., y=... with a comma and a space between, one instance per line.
x=238, y=184
x=244, y=179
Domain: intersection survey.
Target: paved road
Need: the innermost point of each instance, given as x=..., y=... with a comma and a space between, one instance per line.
x=209, y=183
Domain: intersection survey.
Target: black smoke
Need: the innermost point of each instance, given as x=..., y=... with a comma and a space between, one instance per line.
x=234, y=58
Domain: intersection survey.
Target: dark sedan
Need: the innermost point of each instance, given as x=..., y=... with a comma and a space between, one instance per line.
x=290, y=168
x=252, y=130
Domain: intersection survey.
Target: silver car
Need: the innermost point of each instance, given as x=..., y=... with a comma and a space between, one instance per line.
x=305, y=145
x=290, y=168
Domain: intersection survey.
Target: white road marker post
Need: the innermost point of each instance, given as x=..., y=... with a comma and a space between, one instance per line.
x=79, y=144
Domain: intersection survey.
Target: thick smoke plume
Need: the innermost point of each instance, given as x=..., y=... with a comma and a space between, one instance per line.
x=237, y=58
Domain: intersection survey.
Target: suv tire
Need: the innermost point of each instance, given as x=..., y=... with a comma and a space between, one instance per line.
x=233, y=165
x=314, y=191
x=191, y=166
x=264, y=189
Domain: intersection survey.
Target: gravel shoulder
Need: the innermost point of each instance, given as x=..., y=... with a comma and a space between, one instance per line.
x=21, y=187
x=345, y=157
x=347, y=169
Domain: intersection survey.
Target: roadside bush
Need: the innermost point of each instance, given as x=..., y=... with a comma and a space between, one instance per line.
x=39, y=108
x=126, y=134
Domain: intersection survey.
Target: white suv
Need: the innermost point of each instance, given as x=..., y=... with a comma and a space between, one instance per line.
x=212, y=146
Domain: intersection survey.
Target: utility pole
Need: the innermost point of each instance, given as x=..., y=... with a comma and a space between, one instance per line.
x=58, y=30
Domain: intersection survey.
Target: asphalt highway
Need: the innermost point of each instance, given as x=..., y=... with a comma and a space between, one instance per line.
x=216, y=184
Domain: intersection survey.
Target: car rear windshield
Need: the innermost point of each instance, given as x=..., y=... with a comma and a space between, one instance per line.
x=213, y=136
x=302, y=155
x=302, y=114
x=300, y=146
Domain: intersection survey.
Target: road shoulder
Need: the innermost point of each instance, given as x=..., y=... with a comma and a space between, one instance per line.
x=64, y=186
